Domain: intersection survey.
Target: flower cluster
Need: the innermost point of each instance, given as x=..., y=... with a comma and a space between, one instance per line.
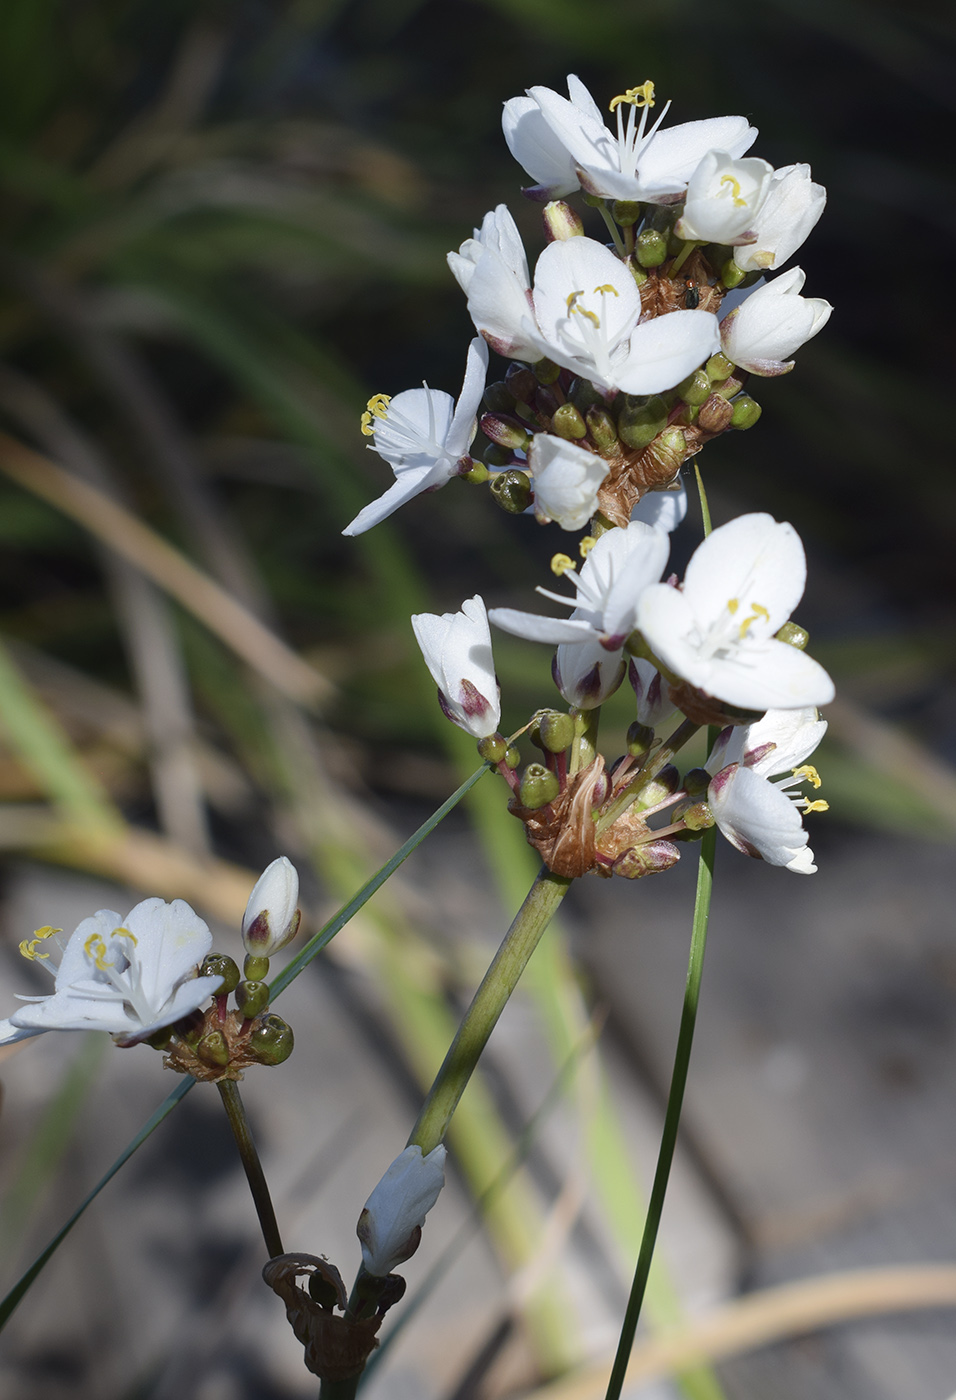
x=626, y=359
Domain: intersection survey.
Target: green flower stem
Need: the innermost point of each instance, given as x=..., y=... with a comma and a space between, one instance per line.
x=584, y=747
x=686, y=730
x=613, y=229
x=255, y=1176
x=487, y=1005
x=675, y=1099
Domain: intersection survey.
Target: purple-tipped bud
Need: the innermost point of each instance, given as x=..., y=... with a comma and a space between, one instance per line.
x=561, y=222
x=649, y=859
x=506, y=431
x=272, y=917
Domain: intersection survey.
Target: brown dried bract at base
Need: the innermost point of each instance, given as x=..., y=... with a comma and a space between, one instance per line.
x=335, y=1347
x=563, y=832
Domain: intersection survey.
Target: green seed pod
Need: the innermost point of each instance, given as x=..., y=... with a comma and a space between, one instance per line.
x=639, y=421
x=696, y=816
x=566, y=422
x=696, y=781
x=272, y=1040
x=252, y=998
x=493, y=749
x=220, y=965
x=731, y=275
x=650, y=248
x=626, y=212
x=546, y=372
x=478, y=473
x=498, y=398
x=496, y=457
x=730, y=387
x=583, y=395
x=600, y=425
x=255, y=969
x=695, y=389
x=718, y=368
x=539, y=786
x=746, y=411
x=512, y=491
x=794, y=635
x=213, y=1049
x=513, y=757
x=555, y=731
x=639, y=739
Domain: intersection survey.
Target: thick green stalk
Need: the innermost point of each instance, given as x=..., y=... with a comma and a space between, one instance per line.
x=675, y=1099
x=487, y=1005
x=251, y=1165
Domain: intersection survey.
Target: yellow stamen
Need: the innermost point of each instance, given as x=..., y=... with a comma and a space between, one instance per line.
x=734, y=189
x=809, y=774
x=642, y=96
x=572, y=305
x=95, y=948
x=732, y=605
x=606, y=288
x=561, y=563
x=29, y=946
x=818, y=806
x=125, y=933
x=758, y=611
x=586, y=545
x=569, y=303
x=377, y=407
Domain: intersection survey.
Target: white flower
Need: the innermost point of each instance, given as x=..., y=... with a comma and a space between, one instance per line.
x=654, y=704
x=536, y=147
x=589, y=664
x=760, y=817
x=389, y=1227
x=724, y=198
x=717, y=631
x=457, y=652
x=587, y=310
x=422, y=434
x=127, y=976
x=788, y=214
x=492, y=270
x=566, y=481
x=634, y=163
x=271, y=919
x=663, y=509
x=772, y=323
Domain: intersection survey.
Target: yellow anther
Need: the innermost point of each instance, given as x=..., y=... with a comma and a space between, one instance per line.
x=758, y=611
x=732, y=605
x=125, y=933
x=95, y=948
x=818, y=806
x=377, y=407
x=642, y=96
x=734, y=188
x=572, y=305
x=809, y=775
x=606, y=288
x=586, y=545
x=561, y=563
x=569, y=303
x=29, y=947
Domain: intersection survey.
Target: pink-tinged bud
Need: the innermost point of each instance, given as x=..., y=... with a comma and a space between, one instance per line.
x=649, y=859
x=561, y=222
x=506, y=431
x=271, y=919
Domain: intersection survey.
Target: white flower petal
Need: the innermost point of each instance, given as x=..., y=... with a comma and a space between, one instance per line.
x=788, y=214
x=665, y=350
x=397, y=1207
x=566, y=480
x=759, y=819
x=663, y=509
x=457, y=651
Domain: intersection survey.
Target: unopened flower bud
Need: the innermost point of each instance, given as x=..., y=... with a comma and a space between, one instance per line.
x=603, y=432
x=567, y=422
x=718, y=368
x=794, y=635
x=696, y=816
x=583, y=395
x=213, y=1049
x=715, y=414
x=496, y=457
x=555, y=731
x=477, y=474
x=695, y=389
x=255, y=969
x=220, y=965
x=513, y=757
x=626, y=212
x=696, y=781
x=252, y=998
x=390, y=1226
x=497, y=397
x=639, y=739
x=650, y=248
x=520, y=381
x=649, y=859
x=538, y=787
x=730, y=387
x=667, y=781
x=272, y=917
x=546, y=371
x=561, y=222
x=546, y=401
x=506, y=431
x=512, y=490
x=731, y=275
x=493, y=749
x=639, y=421
x=746, y=411
x=272, y=1040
